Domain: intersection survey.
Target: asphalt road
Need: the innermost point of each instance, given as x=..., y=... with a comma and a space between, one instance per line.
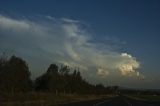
x=116, y=101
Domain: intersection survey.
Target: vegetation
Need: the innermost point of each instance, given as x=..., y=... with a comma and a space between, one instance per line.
x=58, y=84
x=14, y=75
x=142, y=95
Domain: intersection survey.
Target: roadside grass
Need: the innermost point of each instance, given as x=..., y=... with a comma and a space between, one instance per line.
x=150, y=98
x=45, y=99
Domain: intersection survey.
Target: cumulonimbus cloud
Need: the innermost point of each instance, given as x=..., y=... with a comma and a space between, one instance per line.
x=64, y=41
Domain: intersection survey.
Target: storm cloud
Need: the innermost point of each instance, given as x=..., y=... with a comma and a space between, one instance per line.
x=63, y=41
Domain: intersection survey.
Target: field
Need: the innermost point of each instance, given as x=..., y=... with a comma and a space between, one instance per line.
x=150, y=98
x=45, y=99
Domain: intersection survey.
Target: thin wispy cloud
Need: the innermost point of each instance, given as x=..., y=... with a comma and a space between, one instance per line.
x=64, y=41
x=69, y=20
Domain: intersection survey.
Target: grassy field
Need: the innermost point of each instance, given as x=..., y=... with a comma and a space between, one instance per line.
x=45, y=99
x=151, y=98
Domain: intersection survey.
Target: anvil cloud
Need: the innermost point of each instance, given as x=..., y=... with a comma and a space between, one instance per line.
x=64, y=41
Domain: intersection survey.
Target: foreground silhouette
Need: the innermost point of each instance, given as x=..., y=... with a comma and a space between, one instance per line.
x=58, y=84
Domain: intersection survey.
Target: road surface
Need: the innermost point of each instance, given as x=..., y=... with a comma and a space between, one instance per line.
x=116, y=101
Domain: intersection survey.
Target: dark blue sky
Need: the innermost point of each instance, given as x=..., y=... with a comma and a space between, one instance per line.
x=135, y=22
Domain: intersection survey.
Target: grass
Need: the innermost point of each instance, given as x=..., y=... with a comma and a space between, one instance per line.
x=150, y=98
x=45, y=99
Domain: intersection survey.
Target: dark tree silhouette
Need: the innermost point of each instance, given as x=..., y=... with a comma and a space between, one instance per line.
x=53, y=68
x=64, y=70
x=49, y=80
x=14, y=75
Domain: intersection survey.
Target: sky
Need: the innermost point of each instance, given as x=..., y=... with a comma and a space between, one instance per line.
x=113, y=42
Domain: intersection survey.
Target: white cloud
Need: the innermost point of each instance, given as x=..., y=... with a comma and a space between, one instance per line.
x=128, y=65
x=102, y=72
x=71, y=52
x=69, y=20
x=63, y=42
x=126, y=55
x=7, y=23
x=50, y=17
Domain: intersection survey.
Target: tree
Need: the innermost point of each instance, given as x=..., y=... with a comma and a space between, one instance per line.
x=15, y=75
x=64, y=70
x=53, y=68
x=49, y=81
x=41, y=83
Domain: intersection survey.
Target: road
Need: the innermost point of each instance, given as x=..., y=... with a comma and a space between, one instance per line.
x=116, y=101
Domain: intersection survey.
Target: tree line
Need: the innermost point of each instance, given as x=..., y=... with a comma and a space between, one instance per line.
x=15, y=77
